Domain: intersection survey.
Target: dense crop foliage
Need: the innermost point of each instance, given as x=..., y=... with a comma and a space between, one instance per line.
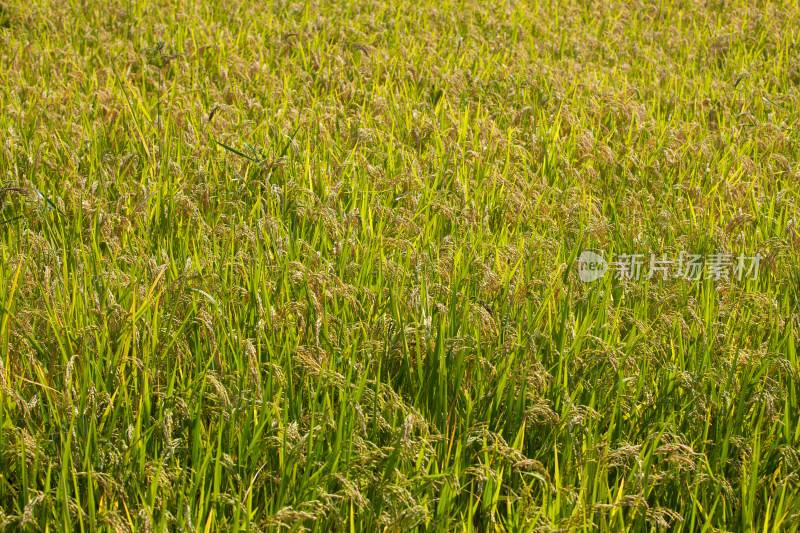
x=311, y=266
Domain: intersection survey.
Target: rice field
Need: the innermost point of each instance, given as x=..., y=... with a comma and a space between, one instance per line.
x=399, y=267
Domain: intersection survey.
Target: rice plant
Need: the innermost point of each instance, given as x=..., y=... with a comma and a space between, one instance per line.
x=321, y=266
